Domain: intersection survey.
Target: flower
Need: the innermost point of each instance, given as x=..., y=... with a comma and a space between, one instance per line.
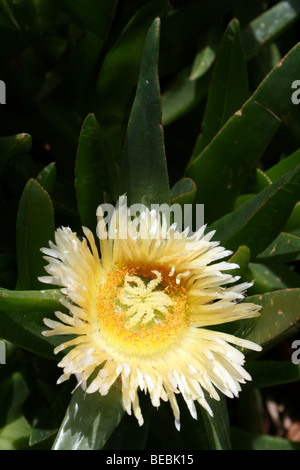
x=141, y=314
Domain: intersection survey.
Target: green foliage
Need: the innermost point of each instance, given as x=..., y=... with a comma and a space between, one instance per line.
x=180, y=101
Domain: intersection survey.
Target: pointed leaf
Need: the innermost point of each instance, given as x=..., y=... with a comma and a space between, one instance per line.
x=207, y=51
x=183, y=95
x=15, y=435
x=21, y=319
x=284, y=166
x=293, y=224
x=279, y=315
x=285, y=248
x=90, y=420
x=47, y=177
x=13, y=145
x=96, y=171
x=264, y=29
x=223, y=166
x=14, y=391
x=257, y=222
x=241, y=257
x=270, y=277
x=229, y=87
x=271, y=373
x=144, y=175
x=48, y=425
x=35, y=227
x=183, y=192
x=217, y=427
x=119, y=74
x=270, y=25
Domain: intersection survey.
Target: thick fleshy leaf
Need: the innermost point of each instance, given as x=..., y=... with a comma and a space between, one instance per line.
x=30, y=301
x=144, y=175
x=35, y=227
x=185, y=94
x=270, y=277
x=256, y=183
x=12, y=146
x=270, y=25
x=293, y=224
x=217, y=427
x=183, y=192
x=207, y=51
x=15, y=435
x=93, y=15
x=129, y=435
x=119, y=74
x=96, y=171
x=241, y=257
x=271, y=373
x=284, y=166
x=257, y=222
x=14, y=392
x=223, y=166
x=285, y=248
x=22, y=314
x=47, y=177
x=279, y=315
x=48, y=424
x=229, y=87
x=90, y=420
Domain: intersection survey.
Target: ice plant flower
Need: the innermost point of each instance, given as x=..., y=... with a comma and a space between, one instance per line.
x=141, y=314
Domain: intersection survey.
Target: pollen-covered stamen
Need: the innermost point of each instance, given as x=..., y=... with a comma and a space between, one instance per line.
x=141, y=309
x=141, y=300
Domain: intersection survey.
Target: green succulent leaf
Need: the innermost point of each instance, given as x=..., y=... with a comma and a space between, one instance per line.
x=241, y=257
x=49, y=423
x=217, y=427
x=22, y=314
x=96, y=171
x=15, y=434
x=144, y=175
x=207, y=51
x=47, y=178
x=284, y=249
x=270, y=277
x=223, y=166
x=258, y=221
x=35, y=227
x=120, y=72
x=279, y=315
x=229, y=86
x=272, y=373
x=293, y=224
x=14, y=392
x=90, y=420
x=12, y=146
x=270, y=25
x=284, y=166
x=183, y=192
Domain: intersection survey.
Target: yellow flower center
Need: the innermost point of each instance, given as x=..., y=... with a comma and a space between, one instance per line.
x=142, y=310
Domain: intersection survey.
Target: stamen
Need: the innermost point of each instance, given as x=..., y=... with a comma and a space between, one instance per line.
x=141, y=309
